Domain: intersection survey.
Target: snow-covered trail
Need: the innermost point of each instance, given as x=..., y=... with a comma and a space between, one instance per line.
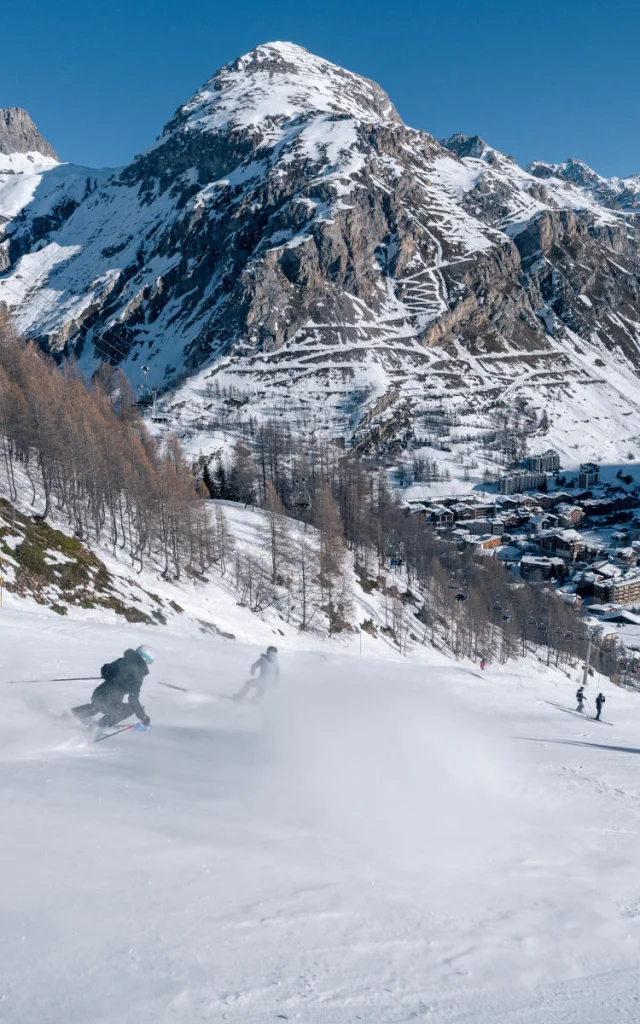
x=376, y=842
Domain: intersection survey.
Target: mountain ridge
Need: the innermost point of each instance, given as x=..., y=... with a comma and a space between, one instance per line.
x=287, y=235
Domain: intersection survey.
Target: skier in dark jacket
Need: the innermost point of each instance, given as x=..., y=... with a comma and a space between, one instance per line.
x=600, y=700
x=580, y=699
x=268, y=675
x=122, y=678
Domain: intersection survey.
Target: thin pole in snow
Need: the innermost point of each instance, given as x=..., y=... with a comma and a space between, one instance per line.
x=62, y=679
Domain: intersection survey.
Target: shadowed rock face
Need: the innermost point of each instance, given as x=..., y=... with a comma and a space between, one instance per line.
x=18, y=134
x=289, y=231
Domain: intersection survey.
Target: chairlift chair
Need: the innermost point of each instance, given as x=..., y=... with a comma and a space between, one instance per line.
x=301, y=497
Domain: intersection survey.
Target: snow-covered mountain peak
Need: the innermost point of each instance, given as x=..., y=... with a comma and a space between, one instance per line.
x=573, y=170
x=277, y=83
x=18, y=134
x=616, y=192
x=289, y=239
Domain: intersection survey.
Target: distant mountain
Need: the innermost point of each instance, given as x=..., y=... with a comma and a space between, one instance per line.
x=18, y=134
x=290, y=237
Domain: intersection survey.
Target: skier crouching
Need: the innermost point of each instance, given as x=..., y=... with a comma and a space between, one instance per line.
x=600, y=700
x=122, y=678
x=580, y=699
x=268, y=671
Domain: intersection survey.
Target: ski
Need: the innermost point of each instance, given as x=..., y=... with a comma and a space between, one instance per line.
x=578, y=714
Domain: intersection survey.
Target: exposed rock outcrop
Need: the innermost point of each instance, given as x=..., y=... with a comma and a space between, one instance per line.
x=18, y=134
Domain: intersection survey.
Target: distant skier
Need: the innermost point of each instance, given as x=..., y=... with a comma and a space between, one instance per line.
x=580, y=699
x=268, y=671
x=600, y=700
x=122, y=678
x=483, y=664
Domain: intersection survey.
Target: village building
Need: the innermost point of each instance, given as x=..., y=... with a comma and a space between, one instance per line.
x=543, y=521
x=545, y=501
x=628, y=555
x=521, y=480
x=540, y=567
x=589, y=474
x=440, y=515
x=465, y=510
x=476, y=527
x=569, y=515
x=548, y=462
x=597, y=506
x=623, y=589
x=567, y=543
x=486, y=542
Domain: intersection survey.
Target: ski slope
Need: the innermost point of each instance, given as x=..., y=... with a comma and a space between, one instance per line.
x=377, y=842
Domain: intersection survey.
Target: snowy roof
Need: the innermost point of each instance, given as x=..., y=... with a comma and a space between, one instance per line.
x=541, y=560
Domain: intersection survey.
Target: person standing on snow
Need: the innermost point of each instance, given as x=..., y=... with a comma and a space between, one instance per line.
x=580, y=699
x=600, y=700
x=268, y=671
x=122, y=678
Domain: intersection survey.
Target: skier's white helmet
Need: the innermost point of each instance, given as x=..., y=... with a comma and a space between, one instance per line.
x=146, y=653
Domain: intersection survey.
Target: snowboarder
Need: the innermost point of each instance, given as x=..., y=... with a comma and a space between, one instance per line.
x=268, y=675
x=122, y=678
x=580, y=699
x=600, y=700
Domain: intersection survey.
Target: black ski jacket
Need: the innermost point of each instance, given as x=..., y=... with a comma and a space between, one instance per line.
x=600, y=701
x=124, y=677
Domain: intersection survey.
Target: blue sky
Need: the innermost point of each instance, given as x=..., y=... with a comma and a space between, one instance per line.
x=535, y=78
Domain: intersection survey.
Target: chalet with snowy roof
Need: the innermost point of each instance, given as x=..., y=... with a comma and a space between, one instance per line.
x=543, y=521
x=440, y=515
x=569, y=515
x=566, y=543
x=626, y=555
x=465, y=510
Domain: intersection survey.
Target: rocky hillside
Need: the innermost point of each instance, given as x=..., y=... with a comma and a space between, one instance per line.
x=290, y=241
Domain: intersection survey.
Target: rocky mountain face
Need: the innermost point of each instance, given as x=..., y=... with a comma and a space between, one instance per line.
x=18, y=134
x=289, y=238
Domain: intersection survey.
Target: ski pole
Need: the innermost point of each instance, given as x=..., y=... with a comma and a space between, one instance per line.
x=61, y=679
x=172, y=686
x=108, y=735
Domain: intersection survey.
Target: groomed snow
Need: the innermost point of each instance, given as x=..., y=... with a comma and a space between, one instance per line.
x=376, y=842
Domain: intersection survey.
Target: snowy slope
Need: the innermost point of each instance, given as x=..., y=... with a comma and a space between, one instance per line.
x=370, y=844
